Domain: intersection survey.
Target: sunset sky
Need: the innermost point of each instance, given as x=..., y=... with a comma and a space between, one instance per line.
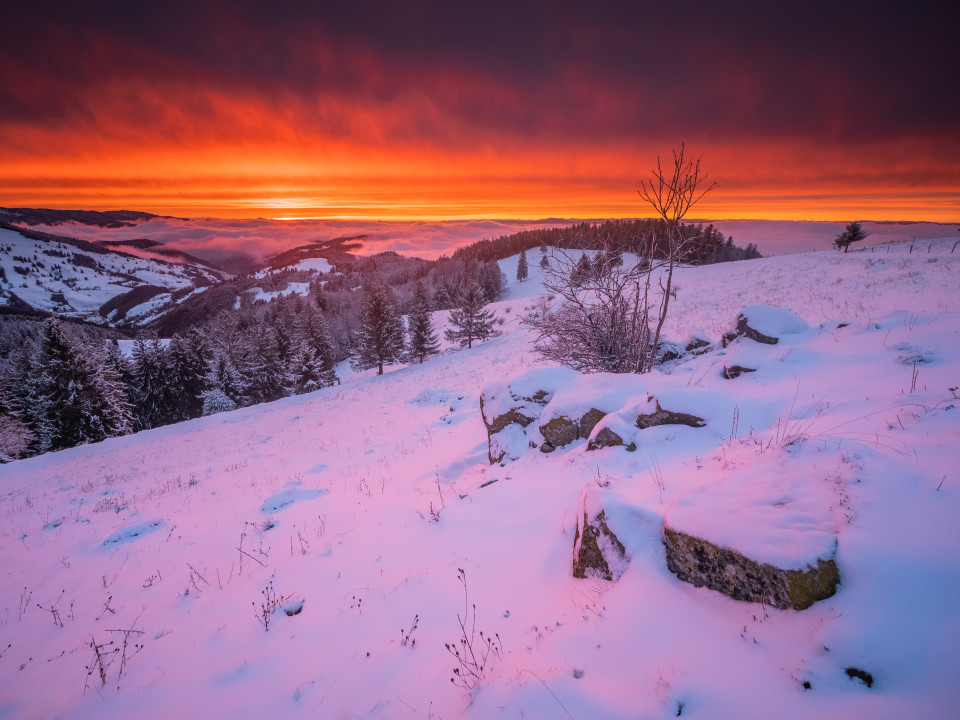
x=454, y=110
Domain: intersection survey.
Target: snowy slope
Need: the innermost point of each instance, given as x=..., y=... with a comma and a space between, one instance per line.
x=76, y=281
x=354, y=508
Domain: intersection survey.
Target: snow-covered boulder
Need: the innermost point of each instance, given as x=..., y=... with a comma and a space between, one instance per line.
x=650, y=414
x=703, y=564
x=765, y=532
x=615, y=430
x=698, y=344
x=508, y=444
x=520, y=400
x=579, y=405
x=735, y=371
x=597, y=552
x=766, y=324
x=562, y=430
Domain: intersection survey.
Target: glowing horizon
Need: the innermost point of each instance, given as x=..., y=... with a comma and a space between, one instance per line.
x=438, y=113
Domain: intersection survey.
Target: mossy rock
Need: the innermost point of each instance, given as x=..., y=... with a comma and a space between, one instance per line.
x=744, y=330
x=589, y=421
x=604, y=438
x=541, y=397
x=597, y=552
x=498, y=423
x=563, y=430
x=560, y=431
x=698, y=346
x=507, y=445
x=704, y=564
x=735, y=371
x=668, y=417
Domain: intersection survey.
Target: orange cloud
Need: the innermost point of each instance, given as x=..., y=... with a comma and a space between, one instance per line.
x=421, y=112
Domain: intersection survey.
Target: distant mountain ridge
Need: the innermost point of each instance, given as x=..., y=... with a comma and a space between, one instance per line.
x=96, y=218
x=98, y=283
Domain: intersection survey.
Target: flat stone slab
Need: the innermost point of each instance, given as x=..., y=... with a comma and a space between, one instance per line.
x=703, y=564
x=764, y=531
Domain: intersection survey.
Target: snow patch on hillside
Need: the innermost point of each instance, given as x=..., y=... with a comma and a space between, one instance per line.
x=356, y=506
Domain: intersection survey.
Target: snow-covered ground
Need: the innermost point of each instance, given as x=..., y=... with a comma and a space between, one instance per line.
x=136, y=571
x=430, y=240
x=61, y=278
x=313, y=264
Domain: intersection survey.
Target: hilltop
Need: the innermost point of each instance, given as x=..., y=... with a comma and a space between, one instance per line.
x=303, y=557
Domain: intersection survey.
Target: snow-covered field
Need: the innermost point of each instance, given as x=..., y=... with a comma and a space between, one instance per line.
x=60, y=278
x=136, y=571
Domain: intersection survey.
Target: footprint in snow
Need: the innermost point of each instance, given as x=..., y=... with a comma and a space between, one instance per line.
x=289, y=496
x=134, y=532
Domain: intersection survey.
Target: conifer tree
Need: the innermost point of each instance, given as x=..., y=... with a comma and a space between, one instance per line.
x=224, y=386
x=423, y=338
x=315, y=339
x=120, y=364
x=151, y=396
x=380, y=339
x=491, y=280
x=544, y=261
x=75, y=396
x=265, y=375
x=186, y=368
x=582, y=271
x=471, y=321
x=522, y=271
x=851, y=234
x=16, y=437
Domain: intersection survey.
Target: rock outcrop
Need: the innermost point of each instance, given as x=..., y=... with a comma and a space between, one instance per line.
x=597, y=552
x=765, y=324
x=658, y=416
x=764, y=531
x=563, y=430
x=510, y=406
x=520, y=400
x=703, y=564
x=615, y=430
x=507, y=445
x=735, y=371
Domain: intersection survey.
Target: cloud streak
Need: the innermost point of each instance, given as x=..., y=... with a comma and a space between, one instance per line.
x=454, y=110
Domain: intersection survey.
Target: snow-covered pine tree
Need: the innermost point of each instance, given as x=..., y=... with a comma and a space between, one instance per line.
x=441, y=296
x=544, y=261
x=186, y=368
x=315, y=339
x=151, y=396
x=423, y=339
x=16, y=437
x=75, y=396
x=380, y=339
x=224, y=386
x=121, y=365
x=471, y=321
x=265, y=376
x=522, y=270
x=582, y=271
x=304, y=374
x=110, y=399
x=491, y=280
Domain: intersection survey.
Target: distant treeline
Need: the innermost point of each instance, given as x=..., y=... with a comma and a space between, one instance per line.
x=705, y=245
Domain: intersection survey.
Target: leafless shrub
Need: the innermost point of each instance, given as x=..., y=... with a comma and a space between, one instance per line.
x=611, y=316
x=475, y=652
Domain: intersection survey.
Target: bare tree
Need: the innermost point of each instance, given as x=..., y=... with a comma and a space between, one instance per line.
x=672, y=195
x=603, y=322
